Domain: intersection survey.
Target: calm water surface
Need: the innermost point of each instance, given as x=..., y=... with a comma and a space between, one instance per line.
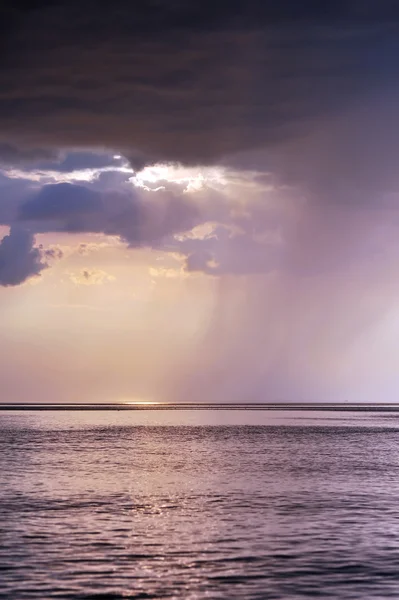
x=199, y=505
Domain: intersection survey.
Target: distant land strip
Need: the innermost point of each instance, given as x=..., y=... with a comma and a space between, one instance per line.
x=253, y=406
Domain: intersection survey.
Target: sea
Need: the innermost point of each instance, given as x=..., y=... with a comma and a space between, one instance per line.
x=194, y=505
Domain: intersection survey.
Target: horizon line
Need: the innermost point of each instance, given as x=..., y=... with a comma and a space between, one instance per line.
x=159, y=406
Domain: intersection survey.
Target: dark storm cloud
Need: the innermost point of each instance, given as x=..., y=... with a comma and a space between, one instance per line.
x=190, y=81
x=305, y=91
x=140, y=220
x=19, y=260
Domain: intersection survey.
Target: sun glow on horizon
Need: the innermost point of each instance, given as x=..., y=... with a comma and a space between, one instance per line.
x=139, y=402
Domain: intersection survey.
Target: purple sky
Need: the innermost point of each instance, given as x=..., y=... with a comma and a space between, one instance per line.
x=199, y=201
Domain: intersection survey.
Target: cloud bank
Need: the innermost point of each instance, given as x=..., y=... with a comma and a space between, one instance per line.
x=190, y=82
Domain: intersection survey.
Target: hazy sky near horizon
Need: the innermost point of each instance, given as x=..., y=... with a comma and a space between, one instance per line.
x=199, y=201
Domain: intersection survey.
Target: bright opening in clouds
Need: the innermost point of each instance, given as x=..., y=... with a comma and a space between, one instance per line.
x=155, y=177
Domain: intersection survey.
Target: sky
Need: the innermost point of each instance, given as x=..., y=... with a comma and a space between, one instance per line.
x=199, y=201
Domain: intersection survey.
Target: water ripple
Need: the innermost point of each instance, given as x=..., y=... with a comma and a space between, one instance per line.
x=199, y=512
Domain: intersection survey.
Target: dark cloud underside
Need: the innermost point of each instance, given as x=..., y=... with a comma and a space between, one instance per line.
x=190, y=81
